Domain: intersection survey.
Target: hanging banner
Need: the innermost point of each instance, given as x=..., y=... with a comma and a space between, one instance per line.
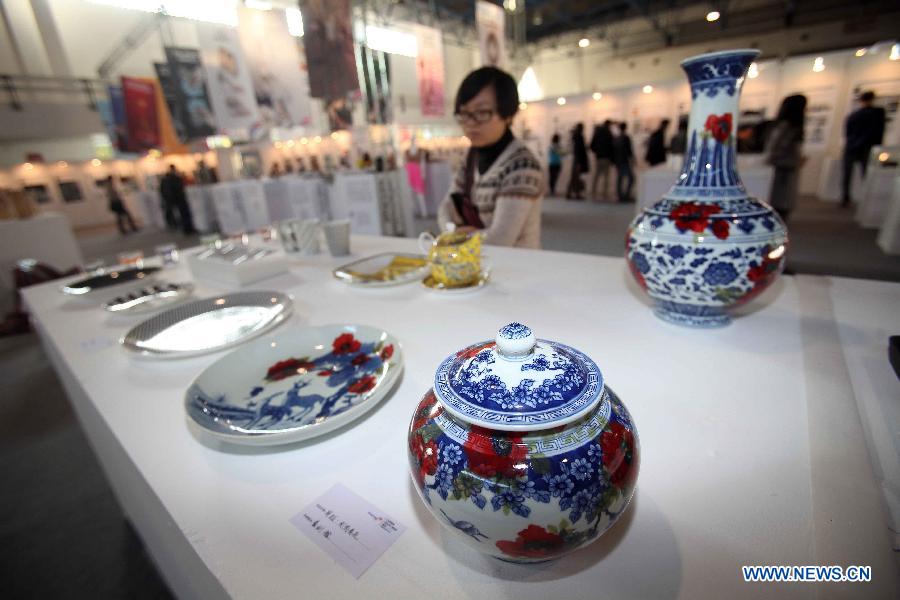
x=170, y=93
x=491, y=23
x=430, y=70
x=140, y=112
x=191, y=97
x=328, y=38
x=169, y=142
x=228, y=79
x=376, y=77
x=276, y=68
x=119, y=119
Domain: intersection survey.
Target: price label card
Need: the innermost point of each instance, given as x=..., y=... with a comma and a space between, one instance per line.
x=348, y=528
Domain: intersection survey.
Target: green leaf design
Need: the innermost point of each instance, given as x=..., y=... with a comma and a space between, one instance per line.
x=506, y=509
x=429, y=432
x=552, y=529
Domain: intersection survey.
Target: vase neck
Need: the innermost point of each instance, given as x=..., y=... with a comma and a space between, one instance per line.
x=709, y=159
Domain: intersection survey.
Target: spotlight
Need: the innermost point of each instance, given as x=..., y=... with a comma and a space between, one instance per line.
x=96, y=162
x=523, y=106
x=584, y=43
x=561, y=100
x=648, y=89
x=713, y=16
x=819, y=64
x=596, y=96
x=860, y=52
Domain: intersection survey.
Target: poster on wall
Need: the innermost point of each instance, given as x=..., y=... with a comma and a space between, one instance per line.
x=491, y=23
x=140, y=113
x=430, y=70
x=328, y=39
x=819, y=113
x=37, y=193
x=276, y=68
x=170, y=94
x=229, y=81
x=190, y=89
x=71, y=191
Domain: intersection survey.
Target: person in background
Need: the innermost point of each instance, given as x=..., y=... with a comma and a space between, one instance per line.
x=678, y=143
x=554, y=161
x=624, y=159
x=602, y=148
x=365, y=161
x=171, y=188
x=301, y=165
x=656, y=145
x=288, y=167
x=783, y=151
x=205, y=175
x=499, y=188
x=580, y=164
x=275, y=171
x=864, y=128
x=117, y=205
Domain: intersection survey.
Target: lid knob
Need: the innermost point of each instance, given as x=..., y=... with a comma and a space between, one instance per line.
x=515, y=341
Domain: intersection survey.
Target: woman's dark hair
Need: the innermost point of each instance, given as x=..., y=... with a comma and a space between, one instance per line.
x=792, y=110
x=502, y=82
x=555, y=138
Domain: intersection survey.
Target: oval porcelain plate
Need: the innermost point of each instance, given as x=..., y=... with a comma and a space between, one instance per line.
x=208, y=325
x=298, y=384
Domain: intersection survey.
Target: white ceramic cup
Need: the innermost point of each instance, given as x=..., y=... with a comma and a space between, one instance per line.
x=337, y=236
x=306, y=234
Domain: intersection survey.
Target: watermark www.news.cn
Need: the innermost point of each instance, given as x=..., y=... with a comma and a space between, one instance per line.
x=807, y=573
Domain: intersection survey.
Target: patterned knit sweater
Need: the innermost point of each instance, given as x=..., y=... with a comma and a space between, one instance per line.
x=508, y=197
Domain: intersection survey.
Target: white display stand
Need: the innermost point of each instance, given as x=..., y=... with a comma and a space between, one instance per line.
x=149, y=202
x=831, y=181
x=354, y=196
x=878, y=189
x=278, y=199
x=776, y=472
x=889, y=234
x=229, y=213
x=46, y=237
x=307, y=198
x=251, y=198
x=438, y=179
x=653, y=183
x=202, y=211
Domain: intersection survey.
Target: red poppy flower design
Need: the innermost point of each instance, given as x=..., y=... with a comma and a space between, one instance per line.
x=288, y=368
x=719, y=126
x=345, y=344
x=362, y=385
x=720, y=229
x=617, y=449
x=387, y=352
x=693, y=216
x=761, y=276
x=470, y=352
x=359, y=359
x=325, y=373
x=425, y=456
x=494, y=454
x=533, y=542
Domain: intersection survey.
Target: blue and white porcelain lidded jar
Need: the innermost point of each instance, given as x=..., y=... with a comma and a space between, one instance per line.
x=707, y=246
x=521, y=450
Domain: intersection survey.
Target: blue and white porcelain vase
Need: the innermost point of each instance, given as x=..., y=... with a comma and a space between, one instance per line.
x=520, y=450
x=707, y=246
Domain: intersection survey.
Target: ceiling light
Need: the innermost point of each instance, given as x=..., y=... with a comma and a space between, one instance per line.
x=753, y=71
x=96, y=162
x=561, y=100
x=62, y=163
x=819, y=64
x=712, y=16
x=28, y=166
x=883, y=157
x=290, y=143
x=278, y=145
x=523, y=106
x=895, y=52
x=647, y=89
x=860, y=52
x=596, y=96
x=584, y=43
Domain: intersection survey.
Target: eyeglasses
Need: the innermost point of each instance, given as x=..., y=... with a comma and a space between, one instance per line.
x=476, y=116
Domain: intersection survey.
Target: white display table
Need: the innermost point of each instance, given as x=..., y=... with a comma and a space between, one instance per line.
x=889, y=233
x=752, y=448
x=878, y=189
x=654, y=182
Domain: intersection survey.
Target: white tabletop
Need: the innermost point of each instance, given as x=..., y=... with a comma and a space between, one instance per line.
x=747, y=434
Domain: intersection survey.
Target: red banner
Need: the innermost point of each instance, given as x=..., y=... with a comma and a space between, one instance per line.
x=140, y=111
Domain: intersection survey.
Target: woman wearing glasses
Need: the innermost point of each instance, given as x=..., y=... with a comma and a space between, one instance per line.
x=499, y=188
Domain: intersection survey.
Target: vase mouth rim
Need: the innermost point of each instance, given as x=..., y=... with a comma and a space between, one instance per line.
x=701, y=57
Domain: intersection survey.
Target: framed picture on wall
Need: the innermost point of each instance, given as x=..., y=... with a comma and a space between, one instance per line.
x=37, y=193
x=71, y=191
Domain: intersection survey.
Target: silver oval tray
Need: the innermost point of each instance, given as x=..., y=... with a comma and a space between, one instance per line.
x=208, y=325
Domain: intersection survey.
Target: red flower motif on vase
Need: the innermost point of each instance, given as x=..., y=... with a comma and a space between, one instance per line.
x=618, y=451
x=359, y=359
x=761, y=275
x=345, y=344
x=470, y=352
x=720, y=228
x=426, y=455
x=693, y=216
x=362, y=385
x=719, y=126
x=387, y=352
x=533, y=542
x=495, y=454
x=288, y=368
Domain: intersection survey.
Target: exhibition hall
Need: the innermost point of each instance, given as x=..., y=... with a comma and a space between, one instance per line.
x=521, y=299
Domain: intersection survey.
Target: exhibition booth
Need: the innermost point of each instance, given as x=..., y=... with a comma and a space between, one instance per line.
x=319, y=396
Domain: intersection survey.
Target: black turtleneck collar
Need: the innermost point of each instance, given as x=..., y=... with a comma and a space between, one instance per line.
x=488, y=154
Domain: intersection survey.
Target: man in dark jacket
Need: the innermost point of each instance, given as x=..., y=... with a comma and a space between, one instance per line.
x=602, y=147
x=579, y=163
x=624, y=159
x=171, y=188
x=656, y=145
x=864, y=128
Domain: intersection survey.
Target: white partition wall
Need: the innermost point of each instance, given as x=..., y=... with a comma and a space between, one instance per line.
x=202, y=211
x=228, y=210
x=354, y=196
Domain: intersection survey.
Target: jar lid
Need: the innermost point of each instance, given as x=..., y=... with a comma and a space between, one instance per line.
x=518, y=383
